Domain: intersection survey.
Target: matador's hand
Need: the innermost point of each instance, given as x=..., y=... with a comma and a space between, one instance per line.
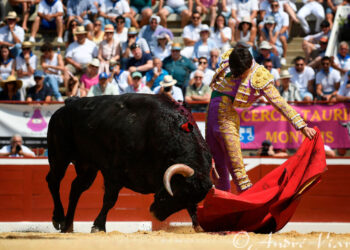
x=308, y=132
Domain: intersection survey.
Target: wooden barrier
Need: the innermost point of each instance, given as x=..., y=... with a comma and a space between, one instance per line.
x=24, y=195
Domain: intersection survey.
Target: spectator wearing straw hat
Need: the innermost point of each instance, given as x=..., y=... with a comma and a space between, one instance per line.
x=11, y=34
x=178, y=66
x=50, y=13
x=10, y=88
x=39, y=92
x=167, y=87
x=104, y=87
x=287, y=89
x=25, y=67
x=137, y=85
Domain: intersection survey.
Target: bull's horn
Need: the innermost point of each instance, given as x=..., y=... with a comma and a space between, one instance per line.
x=183, y=169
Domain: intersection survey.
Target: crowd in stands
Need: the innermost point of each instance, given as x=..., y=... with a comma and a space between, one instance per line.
x=119, y=46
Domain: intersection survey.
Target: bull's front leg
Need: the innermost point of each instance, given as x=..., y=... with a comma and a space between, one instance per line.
x=192, y=211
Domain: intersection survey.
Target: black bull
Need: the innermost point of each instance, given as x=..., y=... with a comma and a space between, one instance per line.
x=137, y=141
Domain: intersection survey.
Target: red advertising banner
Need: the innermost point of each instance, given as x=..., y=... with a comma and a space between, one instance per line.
x=261, y=123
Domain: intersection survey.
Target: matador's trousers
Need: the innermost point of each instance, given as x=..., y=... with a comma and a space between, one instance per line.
x=222, y=136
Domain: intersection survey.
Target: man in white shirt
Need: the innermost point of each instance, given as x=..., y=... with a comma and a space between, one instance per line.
x=11, y=34
x=50, y=13
x=25, y=67
x=327, y=81
x=341, y=61
x=103, y=87
x=138, y=85
x=303, y=77
x=16, y=148
x=344, y=90
x=203, y=66
x=191, y=34
x=269, y=66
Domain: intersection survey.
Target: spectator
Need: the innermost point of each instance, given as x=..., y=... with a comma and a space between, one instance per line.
x=121, y=32
x=327, y=81
x=226, y=6
x=79, y=53
x=269, y=33
x=50, y=13
x=341, y=61
x=7, y=63
x=103, y=87
x=329, y=151
x=311, y=7
x=240, y=9
x=287, y=89
x=81, y=11
x=39, y=92
x=167, y=88
x=119, y=77
x=141, y=62
x=204, y=7
x=269, y=66
x=11, y=34
x=265, y=53
x=110, y=9
x=221, y=34
x=343, y=94
x=155, y=76
x=147, y=31
x=303, y=77
x=281, y=29
x=331, y=8
x=142, y=7
x=16, y=148
x=191, y=35
x=52, y=65
x=178, y=67
x=203, y=66
x=10, y=88
x=319, y=53
x=268, y=150
x=109, y=49
x=246, y=33
x=98, y=34
x=163, y=47
x=26, y=7
x=178, y=7
x=25, y=67
x=75, y=88
x=213, y=62
x=198, y=92
x=311, y=42
x=204, y=45
x=69, y=35
x=90, y=77
x=137, y=85
x=132, y=38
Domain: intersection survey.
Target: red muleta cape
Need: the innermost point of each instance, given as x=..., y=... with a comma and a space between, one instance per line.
x=271, y=202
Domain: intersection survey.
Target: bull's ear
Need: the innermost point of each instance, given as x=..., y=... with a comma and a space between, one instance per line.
x=187, y=127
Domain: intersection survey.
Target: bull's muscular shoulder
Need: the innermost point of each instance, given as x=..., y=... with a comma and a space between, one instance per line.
x=261, y=77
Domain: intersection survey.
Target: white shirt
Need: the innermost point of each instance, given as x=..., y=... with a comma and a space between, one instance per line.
x=328, y=80
x=343, y=90
x=191, y=32
x=301, y=80
x=121, y=81
x=6, y=36
x=176, y=93
x=276, y=75
x=160, y=53
x=208, y=76
x=216, y=36
x=142, y=89
x=82, y=53
x=174, y=3
x=245, y=9
x=44, y=8
x=111, y=89
x=122, y=37
x=120, y=8
x=265, y=6
x=343, y=63
x=21, y=64
x=25, y=149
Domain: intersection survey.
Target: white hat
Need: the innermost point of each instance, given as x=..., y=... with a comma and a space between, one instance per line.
x=95, y=62
x=270, y=19
x=168, y=81
x=205, y=27
x=285, y=74
x=265, y=45
x=157, y=18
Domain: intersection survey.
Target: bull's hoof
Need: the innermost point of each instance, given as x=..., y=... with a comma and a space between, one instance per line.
x=67, y=230
x=198, y=229
x=58, y=225
x=96, y=229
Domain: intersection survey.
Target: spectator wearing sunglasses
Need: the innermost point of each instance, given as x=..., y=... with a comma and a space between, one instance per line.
x=121, y=32
x=203, y=66
x=198, y=91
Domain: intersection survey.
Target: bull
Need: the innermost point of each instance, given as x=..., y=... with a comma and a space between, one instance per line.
x=147, y=143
